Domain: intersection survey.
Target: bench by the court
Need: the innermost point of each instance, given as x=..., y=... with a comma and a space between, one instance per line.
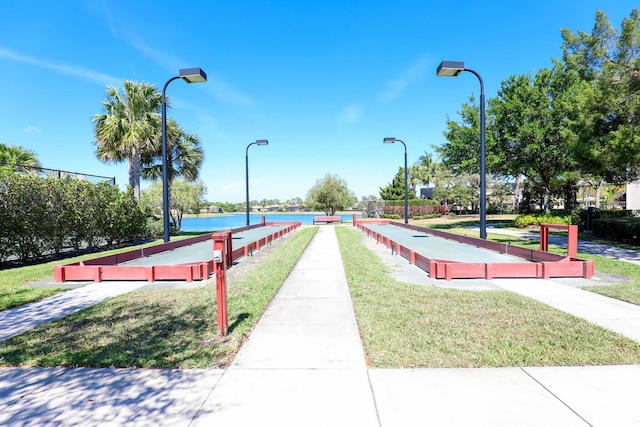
x=327, y=219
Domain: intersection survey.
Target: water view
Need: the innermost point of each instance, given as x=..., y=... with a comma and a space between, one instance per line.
x=239, y=220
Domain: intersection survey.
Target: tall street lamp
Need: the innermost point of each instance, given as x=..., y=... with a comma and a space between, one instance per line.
x=453, y=69
x=391, y=140
x=189, y=75
x=246, y=162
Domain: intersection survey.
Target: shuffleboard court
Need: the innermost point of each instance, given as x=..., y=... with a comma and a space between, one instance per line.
x=440, y=248
x=203, y=251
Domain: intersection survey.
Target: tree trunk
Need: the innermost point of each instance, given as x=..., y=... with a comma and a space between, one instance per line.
x=598, y=190
x=134, y=173
x=517, y=193
x=545, y=201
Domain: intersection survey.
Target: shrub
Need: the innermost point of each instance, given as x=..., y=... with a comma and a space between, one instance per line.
x=44, y=215
x=535, y=219
x=621, y=229
x=427, y=216
x=390, y=216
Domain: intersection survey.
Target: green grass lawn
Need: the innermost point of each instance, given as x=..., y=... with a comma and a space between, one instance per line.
x=406, y=325
x=174, y=328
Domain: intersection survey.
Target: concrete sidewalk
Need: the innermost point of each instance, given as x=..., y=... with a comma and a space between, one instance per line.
x=303, y=365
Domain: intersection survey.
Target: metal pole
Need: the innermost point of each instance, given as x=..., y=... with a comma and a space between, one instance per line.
x=246, y=158
x=483, y=185
x=165, y=165
x=406, y=190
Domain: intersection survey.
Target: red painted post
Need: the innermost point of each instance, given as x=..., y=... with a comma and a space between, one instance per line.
x=544, y=237
x=572, y=241
x=58, y=273
x=219, y=248
x=229, y=247
x=263, y=219
x=355, y=223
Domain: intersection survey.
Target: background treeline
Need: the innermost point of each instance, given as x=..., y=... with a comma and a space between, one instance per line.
x=46, y=216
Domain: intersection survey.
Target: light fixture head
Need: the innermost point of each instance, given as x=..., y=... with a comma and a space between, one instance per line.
x=389, y=140
x=262, y=142
x=450, y=68
x=193, y=75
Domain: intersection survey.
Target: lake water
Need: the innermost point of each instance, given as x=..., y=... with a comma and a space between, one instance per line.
x=212, y=223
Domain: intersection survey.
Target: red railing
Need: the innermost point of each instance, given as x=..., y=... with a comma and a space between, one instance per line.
x=541, y=264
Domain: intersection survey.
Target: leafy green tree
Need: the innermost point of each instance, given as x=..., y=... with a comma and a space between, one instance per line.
x=500, y=193
x=184, y=197
x=395, y=189
x=608, y=60
x=530, y=125
x=461, y=152
x=129, y=126
x=330, y=194
x=17, y=159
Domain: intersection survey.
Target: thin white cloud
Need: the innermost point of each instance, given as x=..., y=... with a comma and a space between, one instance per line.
x=57, y=67
x=214, y=86
x=350, y=114
x=397, y=86
x=109, y=20
x=32, y=129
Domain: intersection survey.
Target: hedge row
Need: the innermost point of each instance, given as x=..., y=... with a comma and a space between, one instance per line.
x=580, y=215
x=621, y=229
x=412, y=202
x=416, y=210
x=47, y=215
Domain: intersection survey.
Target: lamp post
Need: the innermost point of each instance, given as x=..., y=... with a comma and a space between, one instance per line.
x=189, y=75
x=391, y=140
x=453, y=69
x=246, y=163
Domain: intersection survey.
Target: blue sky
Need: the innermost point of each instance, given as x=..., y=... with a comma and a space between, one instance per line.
x=323, y=81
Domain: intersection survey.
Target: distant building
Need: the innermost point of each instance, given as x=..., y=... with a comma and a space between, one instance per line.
x=633, y=195
x=212, y=209
x=427, y=193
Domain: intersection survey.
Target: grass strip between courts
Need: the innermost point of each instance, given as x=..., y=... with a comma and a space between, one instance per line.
x=406, y=325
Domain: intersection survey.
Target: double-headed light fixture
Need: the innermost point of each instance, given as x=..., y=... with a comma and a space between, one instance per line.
x=189, y=75
x=453, y=69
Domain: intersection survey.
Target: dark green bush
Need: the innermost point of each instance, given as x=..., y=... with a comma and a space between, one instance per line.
x=412, y=202
x=390, y=216
x=621, y=229
x=579, y=216
x=427, y=216
x=46, y=215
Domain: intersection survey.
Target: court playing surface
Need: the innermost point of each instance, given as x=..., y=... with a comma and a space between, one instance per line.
x=203, y=251
x=440, y=248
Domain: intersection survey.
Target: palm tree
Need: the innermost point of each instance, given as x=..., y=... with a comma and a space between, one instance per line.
x=129, y=127
x=415, y=176
x=427, y=168
x=17, y=159
x=184, y=154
